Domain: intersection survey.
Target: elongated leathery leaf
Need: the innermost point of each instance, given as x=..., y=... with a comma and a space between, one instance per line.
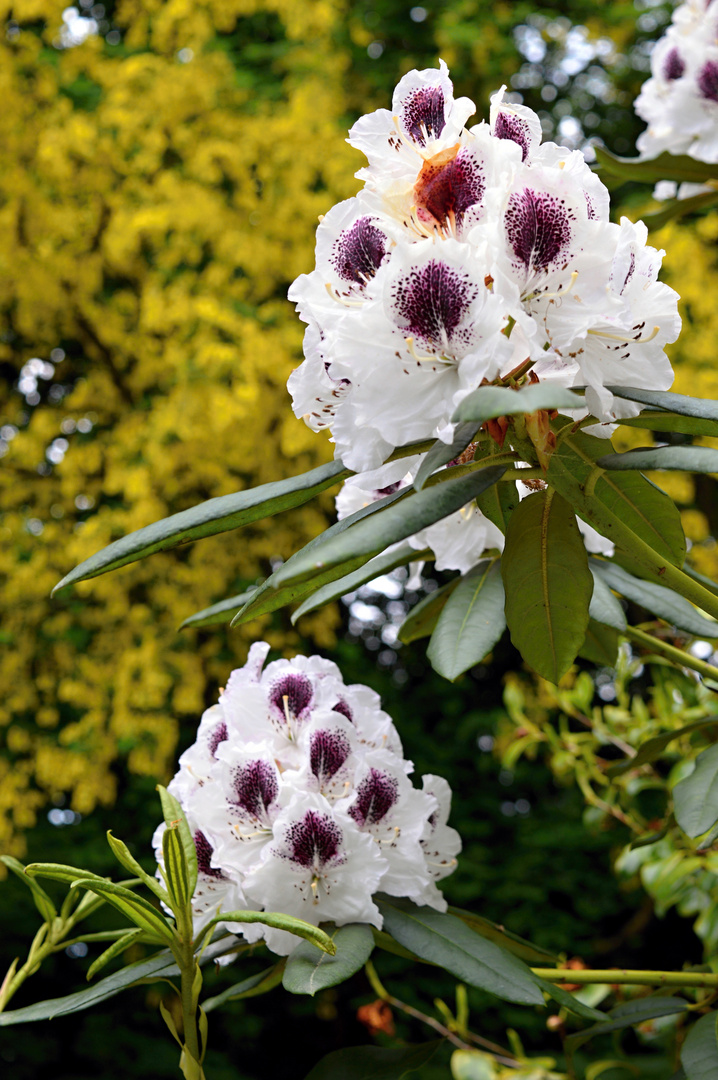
x=601, y=497
x=471, y=623
x=124, y=856
x=498, y=503
x=309, y=971
x=522, y=948
x=42, y=901
x=253, y=986
x=656, y=598
x=135, y=908
x=699, y=1054
x=211, y=517
x=279, y=921
x=678, y=167
x=652, y=749
x=489, y=402
x=548, y=583
x=382, y=564
x=115, y=949
x=270, y=595
x=665, y=399
x=221, y=612
x=442, y=453
x=423, y=617
x=605, y=607
x=699, y=459
x=600, y=645
x=448, y=942
x=628, y=1014
x=695, y=799
x=373, y=1062
x=174, y=816
x=372, y=536
x=659, y=420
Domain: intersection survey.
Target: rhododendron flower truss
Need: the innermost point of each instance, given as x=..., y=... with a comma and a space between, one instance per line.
x=298, y=799
x=476, y=327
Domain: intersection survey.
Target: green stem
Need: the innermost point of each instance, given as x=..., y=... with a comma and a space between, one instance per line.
x=671, y=652
x=622, y=976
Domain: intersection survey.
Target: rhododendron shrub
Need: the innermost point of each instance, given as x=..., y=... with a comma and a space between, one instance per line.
x=476, y=329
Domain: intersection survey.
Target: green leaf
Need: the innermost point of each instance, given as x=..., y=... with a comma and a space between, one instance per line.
x=217, y=613
x=280, y=922
x=59, y=872
x=254, y=986
x=498, y=503
x=601, y=497
x=372, y=536
x=490, y=402
x=699, y=1054
x=450, y=943
x=525, y=950
x=177, y=872
x=42, y=901
x=548, y=583
x=678, y=208
x=373, y=1062
x=424, y=616
x=653, y=748
x=174, y=815
x=270, y=595
x=135, y=908
x=702, y=408
x=698, y=459
x=623, y=1016
x=604, y=606
x=567, y=1000
x=600, y=645
x=382, y=564
x=442, y=453
x=114, y=950
x=663, y=602
x=695, y=799
x=665, y=166
x=124, y=856
x=308, y=971
x=211, y=517
x=159, y=966
x=660, y=420
x=471, y=622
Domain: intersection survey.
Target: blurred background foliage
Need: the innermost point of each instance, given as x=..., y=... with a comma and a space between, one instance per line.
x=164, y=165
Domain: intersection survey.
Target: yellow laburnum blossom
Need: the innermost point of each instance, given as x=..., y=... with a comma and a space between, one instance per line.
x=153, y=213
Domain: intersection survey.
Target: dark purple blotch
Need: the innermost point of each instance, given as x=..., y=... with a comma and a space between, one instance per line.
x=376, y=795
x=204, y=855
x=297, y=689
x=217, y=736
x=255, y=787
x=359, y=251
x=515, y=130
x=314, y=841
x=328, y=750
x=431, y=302
x=673, y=66
x=708, y=81
x=424, y=114
x=538, y=228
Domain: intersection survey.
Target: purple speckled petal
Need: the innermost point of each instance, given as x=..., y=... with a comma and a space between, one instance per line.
x=431, y=302
x=376, y=795
x=673, y=66
x=513, y=128
x=708, y=81
x=423, y=114
x=297, y=689
x=219, y=735
x=314, y=841
x=255, y=787
x=359, y=251
x=328, y=750
x=449, y=185
x=538, y=228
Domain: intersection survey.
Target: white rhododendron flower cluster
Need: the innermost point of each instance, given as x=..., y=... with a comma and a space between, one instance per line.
x=299, y=800
x=680, y=100
x=469, y=255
